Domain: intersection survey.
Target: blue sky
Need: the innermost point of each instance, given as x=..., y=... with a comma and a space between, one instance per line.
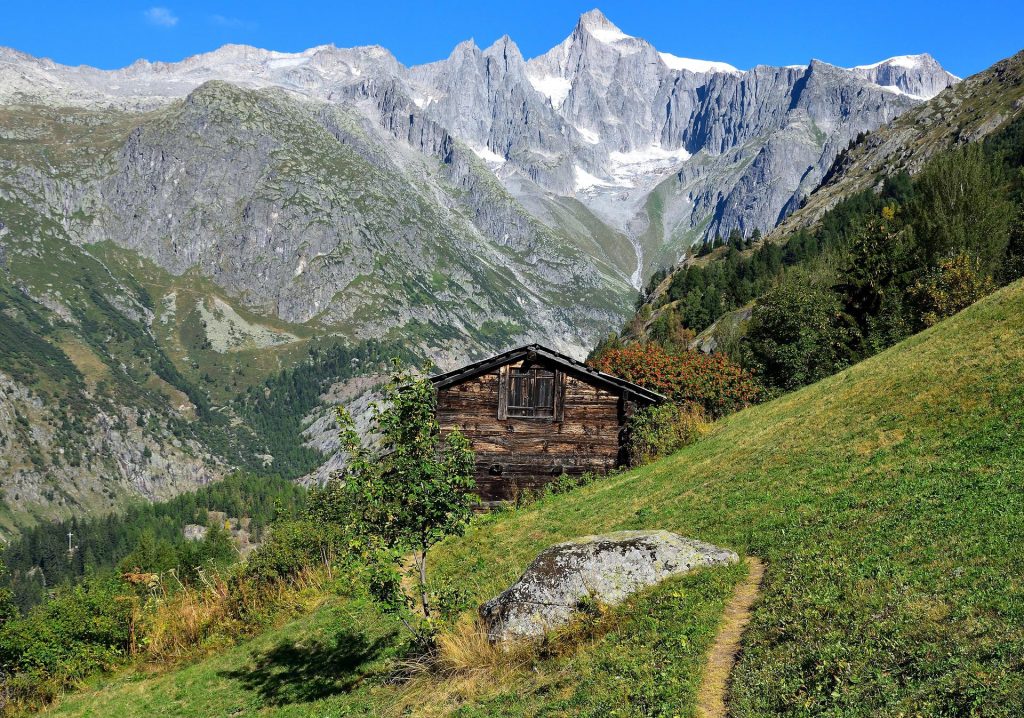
x=964, y=37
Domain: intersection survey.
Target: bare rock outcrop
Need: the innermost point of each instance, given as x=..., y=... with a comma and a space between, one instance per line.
x=606, y=568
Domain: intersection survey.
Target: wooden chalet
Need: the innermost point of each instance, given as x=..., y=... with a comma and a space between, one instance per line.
x=533, y=414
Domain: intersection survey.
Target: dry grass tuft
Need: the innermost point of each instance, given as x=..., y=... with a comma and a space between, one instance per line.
x=182, y=621
x=466, y=651
x=466, y=667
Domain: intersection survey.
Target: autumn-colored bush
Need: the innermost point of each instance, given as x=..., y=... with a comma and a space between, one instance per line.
x=955, y=284
x=712, y=382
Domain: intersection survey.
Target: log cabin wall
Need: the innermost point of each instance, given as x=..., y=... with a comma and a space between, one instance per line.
x=514, y=455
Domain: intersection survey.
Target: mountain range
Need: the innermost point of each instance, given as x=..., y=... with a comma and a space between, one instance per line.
x=173, y=234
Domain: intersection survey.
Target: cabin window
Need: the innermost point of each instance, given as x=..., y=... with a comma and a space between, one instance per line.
x=531, y=393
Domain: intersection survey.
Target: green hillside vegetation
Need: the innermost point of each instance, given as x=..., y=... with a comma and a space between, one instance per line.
x=40, y=554
x=885, y=501
x=96, y=328
x=204, y=374
x=877, y=268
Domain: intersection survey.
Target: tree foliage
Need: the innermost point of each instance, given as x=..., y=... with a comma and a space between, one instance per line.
x=797, y=335
x=714, y=383
x=411, y=489
x=955, y=284
x=960, y=207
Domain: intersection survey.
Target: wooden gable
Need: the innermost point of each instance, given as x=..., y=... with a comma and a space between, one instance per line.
x=582, y=431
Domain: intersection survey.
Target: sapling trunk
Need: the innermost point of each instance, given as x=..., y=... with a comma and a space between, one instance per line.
x=423, y=584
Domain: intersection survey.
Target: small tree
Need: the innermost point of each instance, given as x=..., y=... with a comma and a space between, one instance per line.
x=957, y=283
x=797, y=335
x=408, y=492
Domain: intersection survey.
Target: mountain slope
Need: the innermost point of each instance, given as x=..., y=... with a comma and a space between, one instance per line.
x=712, y=293
x=966, y=112
x=603, y=117
x=884, y=501
x=237, y=209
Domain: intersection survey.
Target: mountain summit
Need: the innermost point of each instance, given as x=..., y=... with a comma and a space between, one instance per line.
x=621, y=117
x=600, y=27
x=603, y=130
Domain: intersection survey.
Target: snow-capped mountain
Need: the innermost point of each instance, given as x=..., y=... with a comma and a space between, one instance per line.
x=918, y=76
x=662, y=150
x=187, y=223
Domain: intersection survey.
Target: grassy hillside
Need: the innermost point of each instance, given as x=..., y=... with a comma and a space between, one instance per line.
x=886, y=502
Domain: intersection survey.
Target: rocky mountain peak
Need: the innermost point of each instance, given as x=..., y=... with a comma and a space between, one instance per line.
x=507, y=50
x=920, y=76
x=594, y=23
x=662, y=149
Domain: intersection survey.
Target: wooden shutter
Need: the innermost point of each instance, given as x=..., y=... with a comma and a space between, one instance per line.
x=559, y=413
x=503, y=392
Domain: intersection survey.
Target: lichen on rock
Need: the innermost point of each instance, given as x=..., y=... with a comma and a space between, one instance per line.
x=606, y=568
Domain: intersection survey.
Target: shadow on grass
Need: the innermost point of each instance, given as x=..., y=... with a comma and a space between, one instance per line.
x=308, y=670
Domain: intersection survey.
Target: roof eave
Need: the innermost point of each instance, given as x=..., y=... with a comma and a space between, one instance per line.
x=456, y=376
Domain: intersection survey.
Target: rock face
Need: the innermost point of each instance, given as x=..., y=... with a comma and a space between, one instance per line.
x=602, y=130
x=606, y=568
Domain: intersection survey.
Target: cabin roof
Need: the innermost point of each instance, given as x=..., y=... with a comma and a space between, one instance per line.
x=570, y=365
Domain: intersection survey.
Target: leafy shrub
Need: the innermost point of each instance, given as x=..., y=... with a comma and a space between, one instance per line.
x=713, y=382
x=955, y=284
x=568, y=482
x=662, y=430
x=82, y=629
x=798, y=334
x=294, y=546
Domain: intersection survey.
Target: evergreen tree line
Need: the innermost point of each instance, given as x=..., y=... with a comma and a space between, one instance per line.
x=149, y=535
x=275, y=409
x=39, y=560
x=703, y=292
x=877, y=268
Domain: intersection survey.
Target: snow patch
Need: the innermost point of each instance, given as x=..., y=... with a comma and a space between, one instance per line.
x=628, y=167
x=601, y=28
x=896, y=90
x=606, y=32
x=585, y=180
x=685, y=63
x=589, y=135
x=488, y=155
x=906, y=61
x=554, y=88
x=286, y=62
x=422, y=102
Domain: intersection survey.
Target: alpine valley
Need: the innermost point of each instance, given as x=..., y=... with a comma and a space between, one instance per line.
x=198, y=258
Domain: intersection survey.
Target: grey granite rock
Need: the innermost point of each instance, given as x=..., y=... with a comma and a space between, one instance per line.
x=603, y=118
x=606, y=568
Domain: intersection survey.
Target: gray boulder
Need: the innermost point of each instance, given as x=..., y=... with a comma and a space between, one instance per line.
x=605, y=568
